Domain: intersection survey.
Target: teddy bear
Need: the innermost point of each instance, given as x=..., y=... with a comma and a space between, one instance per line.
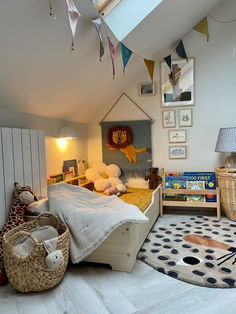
x=118, y=190
x=153, y=178
x=23, y=196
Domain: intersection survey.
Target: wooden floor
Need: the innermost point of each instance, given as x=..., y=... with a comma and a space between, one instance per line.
x=95, y=289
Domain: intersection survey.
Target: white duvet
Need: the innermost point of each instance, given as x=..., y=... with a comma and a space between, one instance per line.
x=89, y=216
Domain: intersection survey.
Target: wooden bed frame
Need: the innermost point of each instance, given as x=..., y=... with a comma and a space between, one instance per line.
x=121, y=247
x=24, y=161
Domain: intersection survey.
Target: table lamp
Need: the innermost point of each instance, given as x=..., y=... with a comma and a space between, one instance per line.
x=226, y=143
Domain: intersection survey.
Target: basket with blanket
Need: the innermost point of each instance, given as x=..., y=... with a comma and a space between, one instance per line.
x=36, y=255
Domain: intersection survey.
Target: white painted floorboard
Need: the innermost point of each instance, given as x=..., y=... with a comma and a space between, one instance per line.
x=93, y=289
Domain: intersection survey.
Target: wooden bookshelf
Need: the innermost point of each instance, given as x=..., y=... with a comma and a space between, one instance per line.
x=164, y=202
x=73, y=179
x=85, y=184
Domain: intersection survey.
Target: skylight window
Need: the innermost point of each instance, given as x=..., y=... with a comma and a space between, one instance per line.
x=105, y=6
x=127, y=14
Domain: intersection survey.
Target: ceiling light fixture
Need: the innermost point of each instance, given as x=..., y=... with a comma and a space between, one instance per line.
x=68, y=133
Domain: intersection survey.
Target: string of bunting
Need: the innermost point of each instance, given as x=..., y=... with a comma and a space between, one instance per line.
x=74, y=15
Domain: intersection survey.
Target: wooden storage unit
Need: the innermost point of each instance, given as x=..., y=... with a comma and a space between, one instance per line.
x=190, y=204
x=75, y=180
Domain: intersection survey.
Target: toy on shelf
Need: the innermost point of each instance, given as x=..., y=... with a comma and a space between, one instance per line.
x=55, y=178
x=81, y=170
x=105, y=177
x=23, y=196
x=153, y=178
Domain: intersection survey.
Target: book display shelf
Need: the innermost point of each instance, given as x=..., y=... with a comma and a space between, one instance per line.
x=210, y=193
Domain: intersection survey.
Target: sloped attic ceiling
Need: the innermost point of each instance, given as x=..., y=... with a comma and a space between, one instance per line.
x=39, y=74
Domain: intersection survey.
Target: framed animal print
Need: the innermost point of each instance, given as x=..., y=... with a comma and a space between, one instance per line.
x=177, y=136
x=185, y=117
x=178, y=152
x=169, y=119
x=177, y=83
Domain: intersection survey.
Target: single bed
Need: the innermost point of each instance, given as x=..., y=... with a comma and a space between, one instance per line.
x=121, y=247
x=22, y=159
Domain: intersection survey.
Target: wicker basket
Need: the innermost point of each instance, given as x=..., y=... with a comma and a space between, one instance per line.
x=30, y=273
x=227, y=183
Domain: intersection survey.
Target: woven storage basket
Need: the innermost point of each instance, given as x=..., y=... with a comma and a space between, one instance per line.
x=31, y=273
x=227, y=184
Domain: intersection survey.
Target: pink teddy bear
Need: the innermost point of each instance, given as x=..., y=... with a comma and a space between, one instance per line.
x=115, y=190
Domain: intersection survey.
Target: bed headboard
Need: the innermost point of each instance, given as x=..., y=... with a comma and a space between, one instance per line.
x=22, y=160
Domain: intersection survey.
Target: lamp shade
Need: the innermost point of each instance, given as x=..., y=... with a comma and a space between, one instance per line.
x=67, y=132
x=226, y=142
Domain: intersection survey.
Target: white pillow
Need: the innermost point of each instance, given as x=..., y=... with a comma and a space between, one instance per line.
x=39, y=207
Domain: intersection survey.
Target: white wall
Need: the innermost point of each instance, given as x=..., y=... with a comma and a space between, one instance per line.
x=54, y=154
x=215, y=106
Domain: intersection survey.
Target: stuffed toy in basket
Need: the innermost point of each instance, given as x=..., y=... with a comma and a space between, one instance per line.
x=34, y=271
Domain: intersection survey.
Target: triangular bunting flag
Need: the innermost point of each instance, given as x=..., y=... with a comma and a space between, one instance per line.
x=150, y=67
x=73, y=15
x=202, y=27
x=97, y=23
x=112, y=53
x=168, y=61
x=126, y=54
x=181, y=51
x=50, y=6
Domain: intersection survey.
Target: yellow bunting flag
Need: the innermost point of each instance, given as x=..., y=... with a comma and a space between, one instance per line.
x=150, y=67
x=202, y=27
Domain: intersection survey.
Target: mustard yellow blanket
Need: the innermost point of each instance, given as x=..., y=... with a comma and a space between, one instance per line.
x=138, y=197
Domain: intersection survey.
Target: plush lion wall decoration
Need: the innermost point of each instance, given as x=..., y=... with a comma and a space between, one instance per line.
x=120, y=138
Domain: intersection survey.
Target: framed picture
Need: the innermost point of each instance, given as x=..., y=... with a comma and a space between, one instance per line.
x=168, y=118
x=177, y=136
x=147, y=89
x=177, y=83
x=177, y=152
x=185, y=117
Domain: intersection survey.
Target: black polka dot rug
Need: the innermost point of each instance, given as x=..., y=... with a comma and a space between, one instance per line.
x=201, y=251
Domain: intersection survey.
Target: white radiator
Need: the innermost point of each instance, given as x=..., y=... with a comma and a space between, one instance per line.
x=22, y=160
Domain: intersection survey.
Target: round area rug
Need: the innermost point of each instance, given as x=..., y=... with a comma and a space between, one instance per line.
x=201, y=251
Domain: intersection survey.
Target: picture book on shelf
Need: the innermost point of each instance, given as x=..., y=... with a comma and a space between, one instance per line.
x=175, y=182
x=195, y=185
x=209, y=177
x=57, y=177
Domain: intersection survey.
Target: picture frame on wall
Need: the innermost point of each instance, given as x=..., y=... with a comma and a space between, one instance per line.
x=177, y=83
x=169, y=118
x=147, y=89
x=178, y=152
x=177, y=136
x=186, y=117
